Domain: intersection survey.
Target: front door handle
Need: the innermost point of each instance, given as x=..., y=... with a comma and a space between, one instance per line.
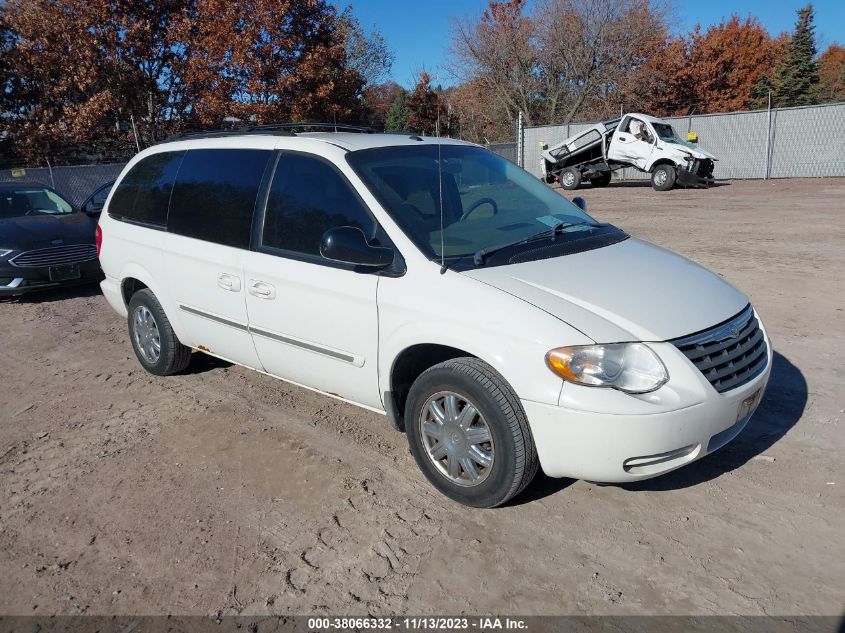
x=229, y=282
x=261, y=289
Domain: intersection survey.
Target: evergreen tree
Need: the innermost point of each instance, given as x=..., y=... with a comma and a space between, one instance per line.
x=398, y=114
x=796, y=81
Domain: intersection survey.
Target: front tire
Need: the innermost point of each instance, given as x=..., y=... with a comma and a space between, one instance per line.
x=155, y=343
x=570, y=178
x=468, y=433
x=663, y=177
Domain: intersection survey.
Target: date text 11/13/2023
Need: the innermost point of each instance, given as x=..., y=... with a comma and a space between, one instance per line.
x=427, y=623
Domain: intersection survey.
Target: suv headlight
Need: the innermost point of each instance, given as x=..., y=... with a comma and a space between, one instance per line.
x=628, y=367
x=4, y=252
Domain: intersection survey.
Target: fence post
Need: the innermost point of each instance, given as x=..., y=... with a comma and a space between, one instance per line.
x=768, y=139
x=519, y=141
x=50, y=169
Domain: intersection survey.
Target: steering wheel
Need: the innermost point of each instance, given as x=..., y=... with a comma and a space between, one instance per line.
x=477, y=204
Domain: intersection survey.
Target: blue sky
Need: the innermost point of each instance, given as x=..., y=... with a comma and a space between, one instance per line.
x=418, y=30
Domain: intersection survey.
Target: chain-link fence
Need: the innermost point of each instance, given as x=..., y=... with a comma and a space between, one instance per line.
x=505, y=150
x=75, y=182
x=779, y=143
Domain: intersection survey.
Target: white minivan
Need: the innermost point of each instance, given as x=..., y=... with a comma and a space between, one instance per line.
x=434, y=282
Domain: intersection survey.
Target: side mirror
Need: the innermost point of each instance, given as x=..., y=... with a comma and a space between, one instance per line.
x=93, y=209
x=579, y=202
x=348, y=244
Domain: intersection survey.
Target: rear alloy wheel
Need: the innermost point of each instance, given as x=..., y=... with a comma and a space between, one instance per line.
x=468, y=433
x=155, y=343
x=663, y=177
x=570, y=178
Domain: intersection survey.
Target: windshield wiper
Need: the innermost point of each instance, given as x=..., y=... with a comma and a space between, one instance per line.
x=480, y=255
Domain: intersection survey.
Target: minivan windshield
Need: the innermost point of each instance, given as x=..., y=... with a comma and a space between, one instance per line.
x=486, y=200
x=16, y=202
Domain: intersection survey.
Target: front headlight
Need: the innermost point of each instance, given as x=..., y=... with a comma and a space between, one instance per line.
x=628, y=367
x=4, y=252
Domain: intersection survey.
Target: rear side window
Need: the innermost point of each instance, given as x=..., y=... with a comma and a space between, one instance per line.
x=215, y=193
x=308, y=197
x=143, y=194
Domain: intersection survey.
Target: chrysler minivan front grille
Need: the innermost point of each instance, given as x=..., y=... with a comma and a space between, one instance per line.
x=729, y=354
x=55, y=256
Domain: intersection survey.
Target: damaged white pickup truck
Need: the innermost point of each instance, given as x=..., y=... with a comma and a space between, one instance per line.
x=641, y=141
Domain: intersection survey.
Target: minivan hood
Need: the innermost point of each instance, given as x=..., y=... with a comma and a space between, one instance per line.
x=629, y=291
x=40, y=231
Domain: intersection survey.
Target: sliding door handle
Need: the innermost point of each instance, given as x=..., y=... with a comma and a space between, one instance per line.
x=232, y=283
x=261, y=289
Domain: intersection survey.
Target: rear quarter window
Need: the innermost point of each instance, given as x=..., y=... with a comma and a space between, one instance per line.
x=143, y=194
x=215, y=193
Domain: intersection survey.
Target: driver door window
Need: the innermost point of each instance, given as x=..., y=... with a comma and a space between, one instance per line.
x=307, y=198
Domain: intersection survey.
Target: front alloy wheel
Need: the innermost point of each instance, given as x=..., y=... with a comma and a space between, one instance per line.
x=468, y=433
x=456, y=438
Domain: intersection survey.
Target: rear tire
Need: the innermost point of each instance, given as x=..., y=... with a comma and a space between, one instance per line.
x=155, y=344
x=663, y=177
x=570, y=178
x=601, y=181
x=468, y=433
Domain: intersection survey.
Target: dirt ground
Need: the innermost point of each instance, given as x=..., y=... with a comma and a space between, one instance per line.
x=222, y=491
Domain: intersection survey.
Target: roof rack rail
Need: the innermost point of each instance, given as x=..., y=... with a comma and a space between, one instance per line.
x=276, y=129
x=304, y=125
x=240, y=131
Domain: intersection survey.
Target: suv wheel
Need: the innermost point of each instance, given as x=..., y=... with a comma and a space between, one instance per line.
x=158, y=349
x=468, y=433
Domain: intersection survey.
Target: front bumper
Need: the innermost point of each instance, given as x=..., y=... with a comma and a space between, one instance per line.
x=17, y=281
x=621, y=447
x=697, y=174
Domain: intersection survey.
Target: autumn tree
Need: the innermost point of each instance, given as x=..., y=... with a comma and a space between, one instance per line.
x=711, y=71
x=564, y=59
x=427, y=112
x=145, y=44
x=366, y=52
x=92, y=72
x=482, y=117
x=498, y=52
x=67, y=76
x=591, y=49
x=264, y=61
x=796, y=80
x=832, y=74
x=378, y=100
